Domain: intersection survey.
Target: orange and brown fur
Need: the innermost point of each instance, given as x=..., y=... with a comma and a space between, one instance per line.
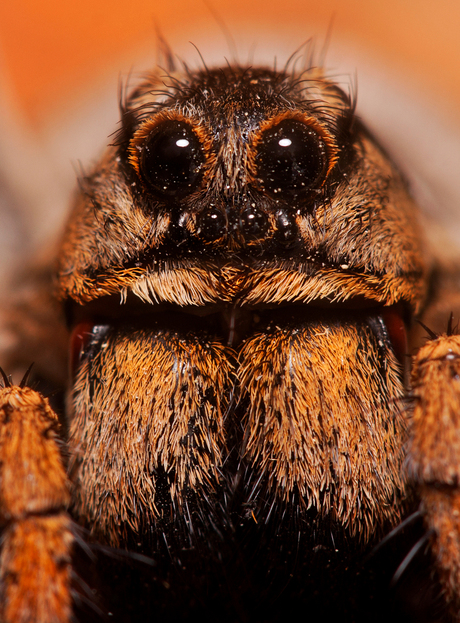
x=238, y=321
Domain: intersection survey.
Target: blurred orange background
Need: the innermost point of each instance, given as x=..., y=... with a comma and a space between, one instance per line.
x=50, y=50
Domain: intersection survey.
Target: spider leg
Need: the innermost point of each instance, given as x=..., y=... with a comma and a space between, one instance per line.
x=434, y=453
x=37, y=540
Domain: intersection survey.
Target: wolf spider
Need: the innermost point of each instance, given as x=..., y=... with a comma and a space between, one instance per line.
x=240, y=278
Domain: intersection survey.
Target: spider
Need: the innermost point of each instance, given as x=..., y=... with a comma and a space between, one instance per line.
x=240, y=279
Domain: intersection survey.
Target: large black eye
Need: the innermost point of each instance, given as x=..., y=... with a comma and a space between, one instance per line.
x=172, y=158
x=291, y=158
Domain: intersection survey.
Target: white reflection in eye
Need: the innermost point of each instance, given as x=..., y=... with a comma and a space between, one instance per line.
x=285, y=142
x=182, y=142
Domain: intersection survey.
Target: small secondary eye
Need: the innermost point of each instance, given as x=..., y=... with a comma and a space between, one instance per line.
x=291, y=157
x=172, y=158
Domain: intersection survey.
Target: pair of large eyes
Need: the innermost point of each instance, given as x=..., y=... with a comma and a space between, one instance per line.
x=291, y=157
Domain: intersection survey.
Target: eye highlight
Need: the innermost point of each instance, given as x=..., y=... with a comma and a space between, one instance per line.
x=169, y=158
x=292, y=157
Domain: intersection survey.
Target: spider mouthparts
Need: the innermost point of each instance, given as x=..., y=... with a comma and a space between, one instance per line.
x=231, y=325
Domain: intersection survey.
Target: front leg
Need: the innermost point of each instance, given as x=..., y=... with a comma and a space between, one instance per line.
x=37, y=540
x=434, y=454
